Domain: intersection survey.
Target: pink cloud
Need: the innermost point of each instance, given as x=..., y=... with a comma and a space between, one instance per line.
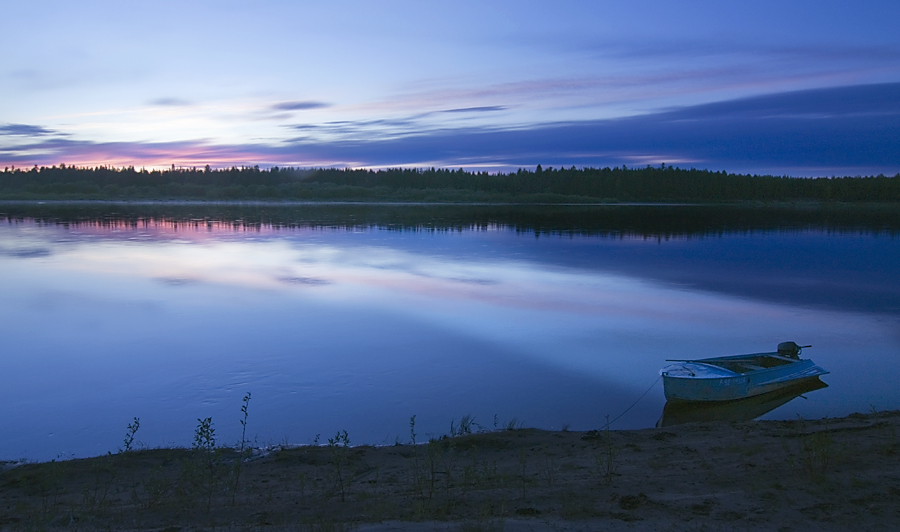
x=154, y=155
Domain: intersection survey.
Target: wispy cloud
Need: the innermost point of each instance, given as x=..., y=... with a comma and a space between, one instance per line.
x=696, y=49
x=392, y=128
x=381, y=128
x=844, y=130
x=299, y=106
x=26, y=130
x=309, y=281
x=685, y=72
x=170, y=102
x=282, y=111
x=610, y=94
x=483, y=109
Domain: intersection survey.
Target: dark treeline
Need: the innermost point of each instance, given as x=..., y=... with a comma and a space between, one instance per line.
x=651, y=184
x=648, y=221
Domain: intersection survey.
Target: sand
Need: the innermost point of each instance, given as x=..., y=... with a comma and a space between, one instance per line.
x=830, y=474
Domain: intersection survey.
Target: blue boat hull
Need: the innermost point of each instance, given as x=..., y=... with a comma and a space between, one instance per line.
x=701, y=381
x=678, y=412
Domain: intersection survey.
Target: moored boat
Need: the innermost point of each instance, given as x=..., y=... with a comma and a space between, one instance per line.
x=738, y=376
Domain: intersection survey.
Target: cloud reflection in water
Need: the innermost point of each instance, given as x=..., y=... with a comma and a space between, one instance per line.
x=358, y=330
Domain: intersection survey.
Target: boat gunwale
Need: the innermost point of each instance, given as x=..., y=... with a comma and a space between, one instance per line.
x=737, y=358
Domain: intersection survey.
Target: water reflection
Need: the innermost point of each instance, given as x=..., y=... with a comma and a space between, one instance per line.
x=679, y=412
x=357, y=325
x=646, y=221
x=829, y=257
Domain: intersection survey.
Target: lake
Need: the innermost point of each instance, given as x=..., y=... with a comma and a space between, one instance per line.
x=357, y=317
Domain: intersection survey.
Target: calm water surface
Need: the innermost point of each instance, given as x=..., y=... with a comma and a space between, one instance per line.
x=359, y=326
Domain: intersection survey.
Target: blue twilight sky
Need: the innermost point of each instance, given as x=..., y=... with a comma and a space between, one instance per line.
x=784, y=87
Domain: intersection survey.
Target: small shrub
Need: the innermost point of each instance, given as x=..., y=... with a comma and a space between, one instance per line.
x=205, y=472
x=816, y=454
x=129, y=436
x=605, y=459
x=238, y=464
x=466, y=424
x=338, y=448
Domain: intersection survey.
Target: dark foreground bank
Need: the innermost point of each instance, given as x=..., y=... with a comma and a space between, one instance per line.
x=830, y=474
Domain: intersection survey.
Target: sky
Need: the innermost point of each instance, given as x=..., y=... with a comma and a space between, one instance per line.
x=802, y=88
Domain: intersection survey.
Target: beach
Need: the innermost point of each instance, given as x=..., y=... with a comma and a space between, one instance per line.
x=827, y=474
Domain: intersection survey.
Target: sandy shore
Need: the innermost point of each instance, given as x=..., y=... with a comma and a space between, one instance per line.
x=832, y=474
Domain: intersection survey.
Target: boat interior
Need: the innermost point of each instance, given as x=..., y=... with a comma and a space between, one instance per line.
x=752, y=363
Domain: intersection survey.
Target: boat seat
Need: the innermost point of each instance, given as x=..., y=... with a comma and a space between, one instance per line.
x=751, y=367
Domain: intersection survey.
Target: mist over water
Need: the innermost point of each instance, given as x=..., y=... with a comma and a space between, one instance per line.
x=357, y=317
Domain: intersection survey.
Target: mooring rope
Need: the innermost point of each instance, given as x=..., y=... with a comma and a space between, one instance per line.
x=632, y=404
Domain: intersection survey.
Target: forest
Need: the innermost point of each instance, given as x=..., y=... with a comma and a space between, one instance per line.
x=664, y=184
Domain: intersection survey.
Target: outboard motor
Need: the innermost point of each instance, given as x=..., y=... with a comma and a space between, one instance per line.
x=789, y=349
